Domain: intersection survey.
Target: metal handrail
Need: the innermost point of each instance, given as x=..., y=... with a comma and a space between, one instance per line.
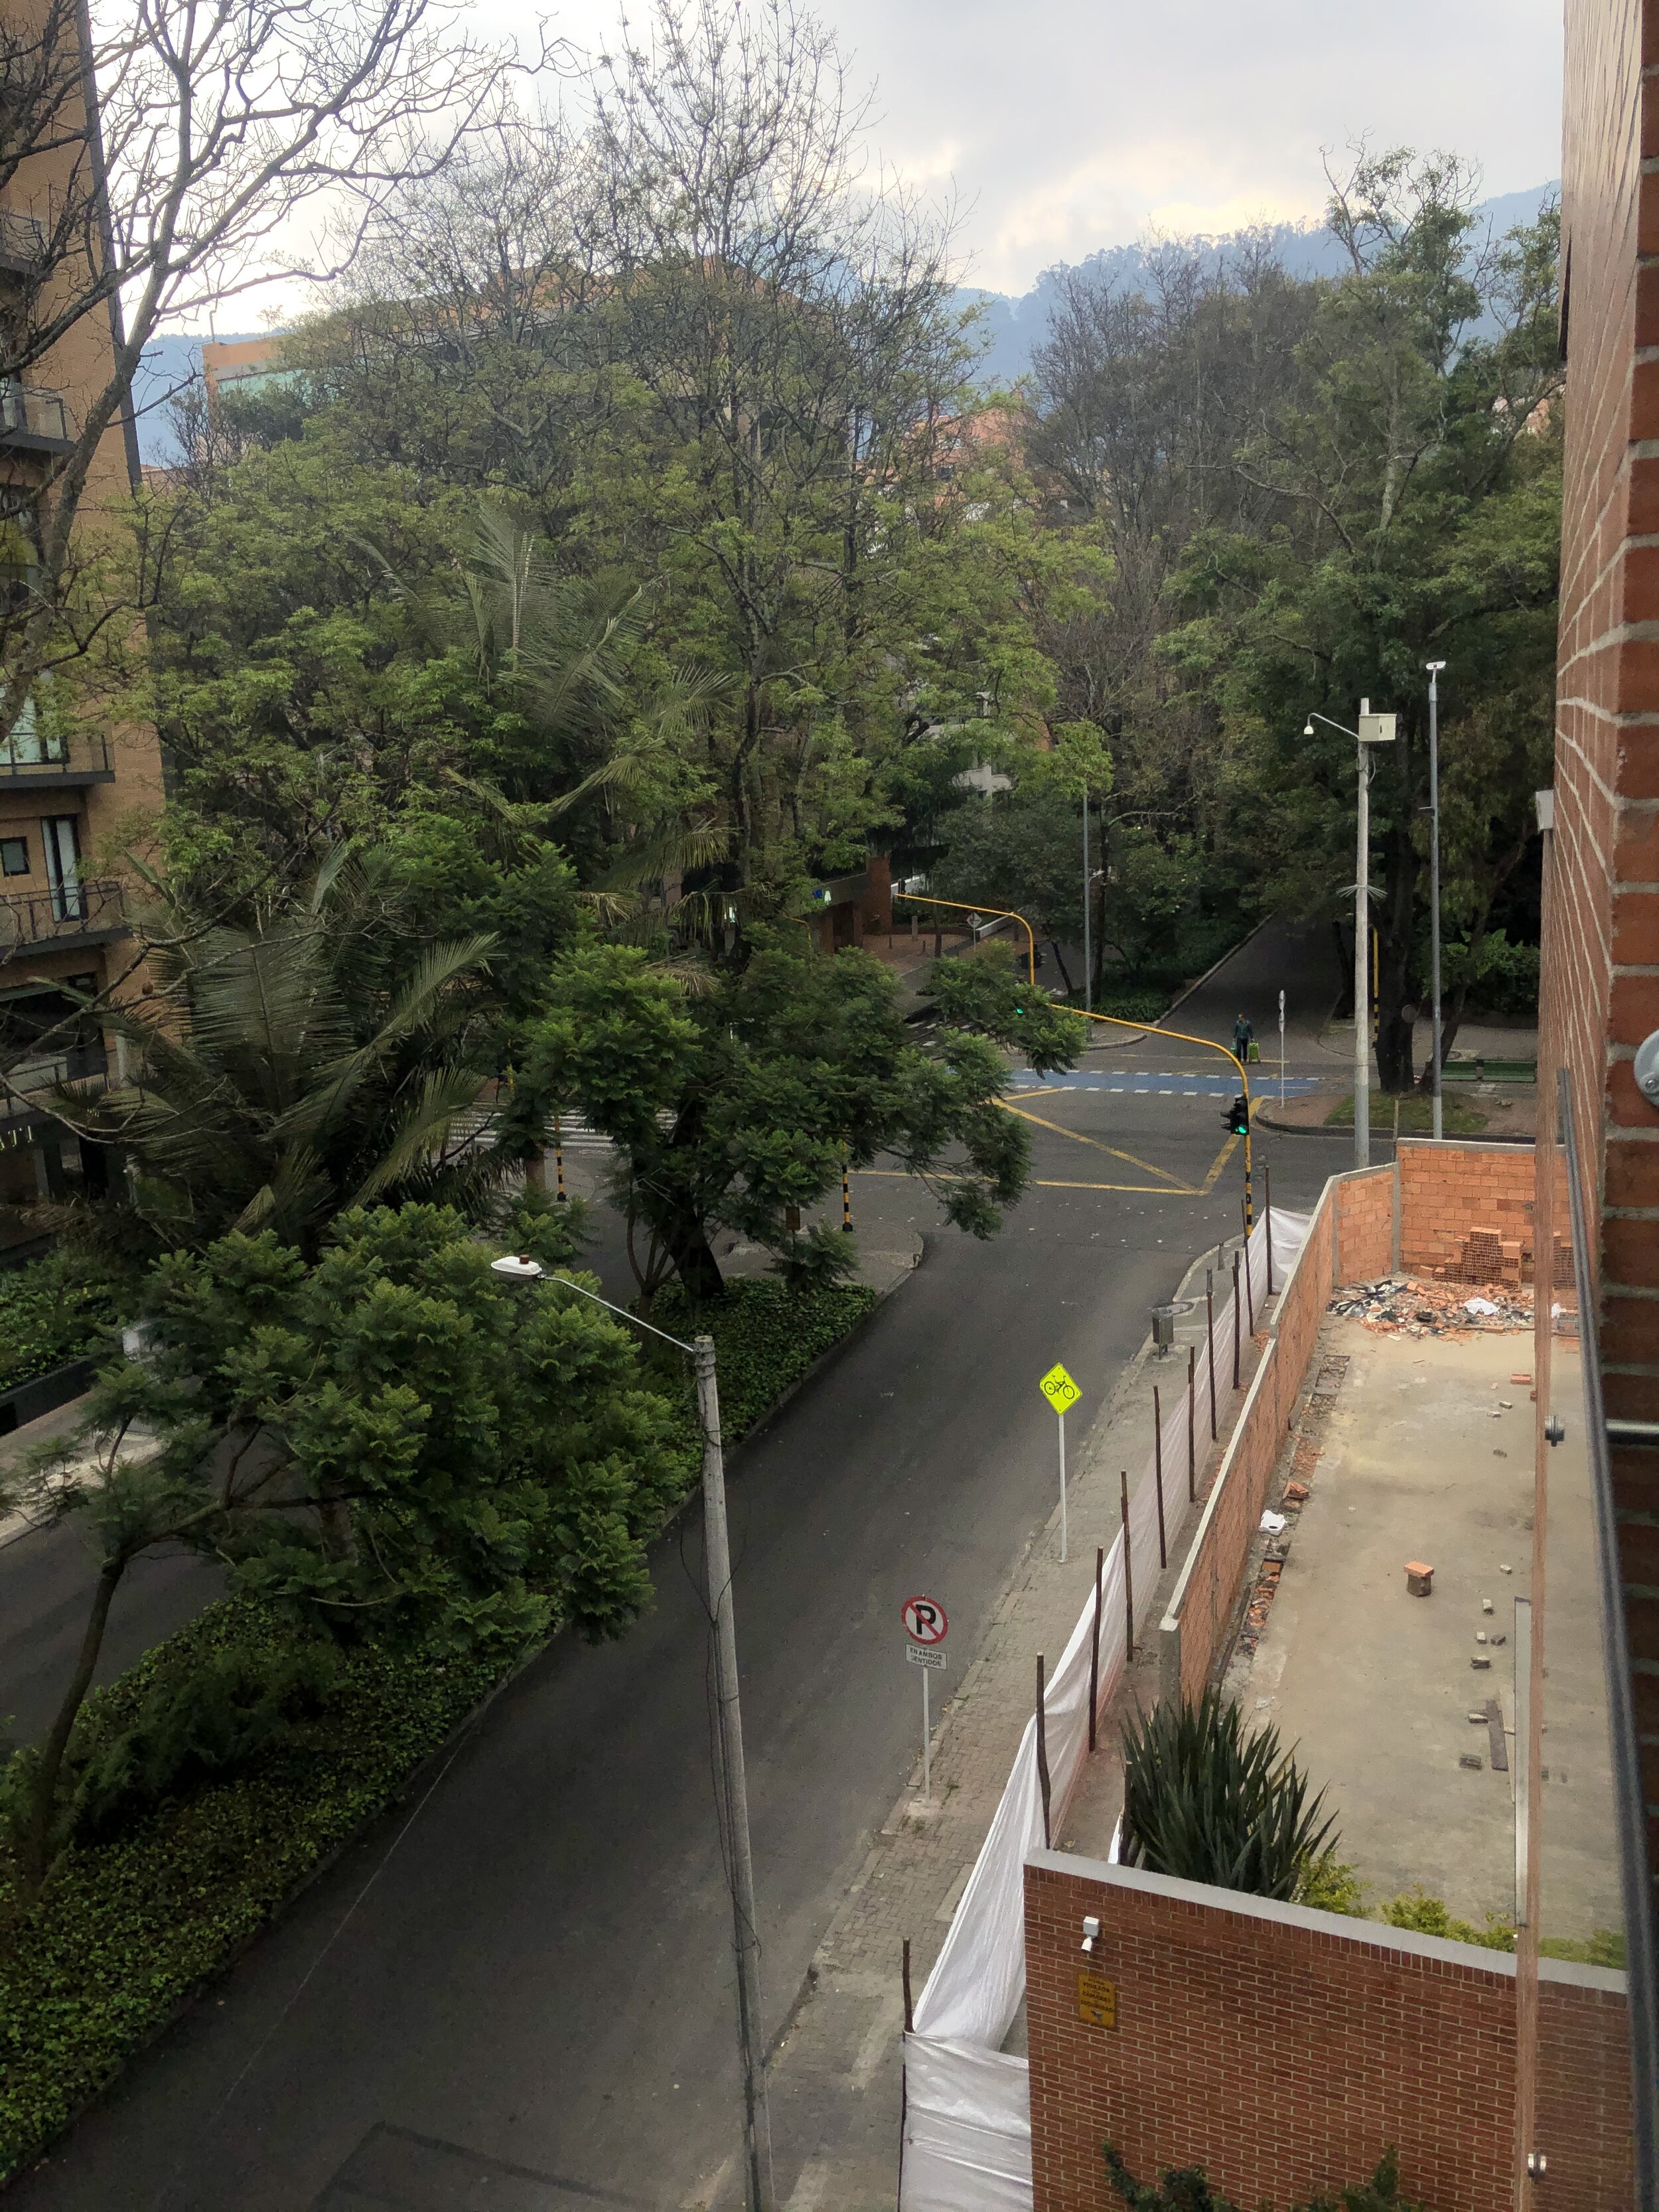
x=23, y=240
x=38, y=917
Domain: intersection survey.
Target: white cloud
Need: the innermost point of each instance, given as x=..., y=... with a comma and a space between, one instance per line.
x=1064, y=125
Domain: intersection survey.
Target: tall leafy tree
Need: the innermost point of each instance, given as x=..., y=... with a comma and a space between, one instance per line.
x=1417, y=472
x=386, y=1441
x=740, y=1103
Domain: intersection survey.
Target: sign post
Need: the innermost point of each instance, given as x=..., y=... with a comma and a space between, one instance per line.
x=927, y=1625
x=1057, y=1387
x=1281, y=1048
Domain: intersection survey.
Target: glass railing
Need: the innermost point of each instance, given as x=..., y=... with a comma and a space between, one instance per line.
x=1583, y=1826
x=30, y=751
x=26, y=412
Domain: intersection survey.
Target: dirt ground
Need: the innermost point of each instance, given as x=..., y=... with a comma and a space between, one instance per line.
x=1428, y=1456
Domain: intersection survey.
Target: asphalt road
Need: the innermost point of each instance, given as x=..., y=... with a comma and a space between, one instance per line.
x=518, y=1992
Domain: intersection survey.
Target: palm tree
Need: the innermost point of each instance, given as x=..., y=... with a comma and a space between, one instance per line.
x=318, y=1058
x=559, y=647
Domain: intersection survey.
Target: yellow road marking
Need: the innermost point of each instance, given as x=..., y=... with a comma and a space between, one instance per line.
x=1183, y=1189
x=1220, y=1162
x=1037, y=1183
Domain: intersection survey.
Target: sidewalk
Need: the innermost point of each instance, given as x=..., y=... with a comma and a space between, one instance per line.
x=836, y=2075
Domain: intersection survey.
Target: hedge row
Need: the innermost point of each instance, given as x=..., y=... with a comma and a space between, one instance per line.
x=127, y=1930
x=766, y=1339
x=49, y=1315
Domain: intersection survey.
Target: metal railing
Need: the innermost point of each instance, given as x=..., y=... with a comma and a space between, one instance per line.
x=26, y=411
x=71, y=910
x=23, y=242
x=23, y=754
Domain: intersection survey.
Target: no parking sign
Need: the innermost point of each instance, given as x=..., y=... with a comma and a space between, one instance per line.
x=925, y=1621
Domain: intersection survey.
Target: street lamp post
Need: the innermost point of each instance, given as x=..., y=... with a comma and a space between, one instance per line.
x=1088, y=960
x=1374, y=729
x=728, y=1729
x=1434, y=668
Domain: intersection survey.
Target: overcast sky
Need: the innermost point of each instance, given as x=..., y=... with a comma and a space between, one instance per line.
x=1069, y=125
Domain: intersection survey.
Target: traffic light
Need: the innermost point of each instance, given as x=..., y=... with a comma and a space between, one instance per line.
x=1237, y=1116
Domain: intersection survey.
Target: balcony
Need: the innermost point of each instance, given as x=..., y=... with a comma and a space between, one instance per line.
x=28, y=763
x=32, y=421
x=74, y=915
x=22, y=244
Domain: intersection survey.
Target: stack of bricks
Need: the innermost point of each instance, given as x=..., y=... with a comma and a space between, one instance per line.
x=1452, y=1194
x=1488, y=1256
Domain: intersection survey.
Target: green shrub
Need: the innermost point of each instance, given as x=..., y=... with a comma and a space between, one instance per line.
x=766, y=1338
x=52, y=1311
x=127, y=1928
x=1187, y=2189
x=1132, y=1002
x=1427, y=1916
x=1604, y=1947
x=1205, y=1801
x=1328, y=1886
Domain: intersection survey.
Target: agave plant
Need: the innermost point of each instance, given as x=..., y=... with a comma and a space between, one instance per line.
x=1208, y=1801
x=318, y=1058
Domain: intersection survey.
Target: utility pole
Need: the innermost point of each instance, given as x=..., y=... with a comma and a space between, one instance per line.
x=1088, y=957
x=1362, y=949
x=1434, y=668
x=734, y=1789
x=1374, y=729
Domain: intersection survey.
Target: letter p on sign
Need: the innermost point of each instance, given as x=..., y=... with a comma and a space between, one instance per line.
x=925, y=1621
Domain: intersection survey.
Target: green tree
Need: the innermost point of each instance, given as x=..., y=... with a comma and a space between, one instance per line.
x=740, y=1102
x=319, y=1057
x=1417, y=477
x=389, y=1442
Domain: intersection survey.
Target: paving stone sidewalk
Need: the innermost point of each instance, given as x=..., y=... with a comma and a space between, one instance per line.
x=834, y=2073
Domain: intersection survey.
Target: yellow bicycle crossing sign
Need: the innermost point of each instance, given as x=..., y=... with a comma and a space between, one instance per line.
x=1057, y=1387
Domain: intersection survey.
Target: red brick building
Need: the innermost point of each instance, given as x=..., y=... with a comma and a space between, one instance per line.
x=1601, y=995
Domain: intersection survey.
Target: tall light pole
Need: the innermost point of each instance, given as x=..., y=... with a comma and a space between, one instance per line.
x=1434, y=668
x=1374, y=729
x=1088, y=958
x=728, y=1732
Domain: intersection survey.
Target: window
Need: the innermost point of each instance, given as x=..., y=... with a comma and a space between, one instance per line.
x=61, y=835
x=14, y=856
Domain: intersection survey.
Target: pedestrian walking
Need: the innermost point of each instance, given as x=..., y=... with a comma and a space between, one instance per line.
x=1244, y=1037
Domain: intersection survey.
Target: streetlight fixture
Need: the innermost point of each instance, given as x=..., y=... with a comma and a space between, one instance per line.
x=1434, y=668
x=1374, y=729
x=728, y=1729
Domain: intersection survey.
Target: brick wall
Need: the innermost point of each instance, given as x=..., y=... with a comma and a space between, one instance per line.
x=1364, y=1225
x=1283, y=2050
x=1201, y=1603
x=1601, y=940
x=1448, y=1190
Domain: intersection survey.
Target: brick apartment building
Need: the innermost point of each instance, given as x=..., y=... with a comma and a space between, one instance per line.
x=64, y=786
x=1601, y=945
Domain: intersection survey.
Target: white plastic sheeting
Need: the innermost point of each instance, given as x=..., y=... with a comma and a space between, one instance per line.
x=968, y=2126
